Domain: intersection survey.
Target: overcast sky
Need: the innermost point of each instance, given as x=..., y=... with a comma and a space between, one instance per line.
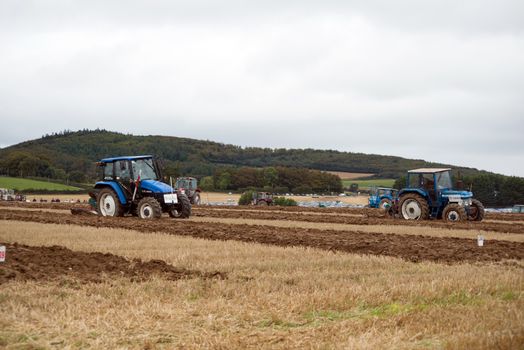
x=436, y=80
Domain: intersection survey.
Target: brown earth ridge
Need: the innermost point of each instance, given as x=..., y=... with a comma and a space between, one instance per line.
x=409, y=247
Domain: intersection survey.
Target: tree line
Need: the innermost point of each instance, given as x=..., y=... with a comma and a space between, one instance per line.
x=272, y=179
x=78, y=150
x=71, y=156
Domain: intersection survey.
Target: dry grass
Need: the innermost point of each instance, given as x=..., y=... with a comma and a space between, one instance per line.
x=389, y=229
x=273, y=298
x=62, y=197
x=208, y=197
x=349, y=176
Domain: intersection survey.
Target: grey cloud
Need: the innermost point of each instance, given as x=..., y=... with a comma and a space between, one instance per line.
x=438, y=80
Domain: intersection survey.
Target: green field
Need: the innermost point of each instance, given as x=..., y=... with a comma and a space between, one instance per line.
x=20, y=184
x=362, y=184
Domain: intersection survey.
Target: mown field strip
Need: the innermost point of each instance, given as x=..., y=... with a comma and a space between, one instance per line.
x=61, y=211
x=197, y=209
x=396, y=229
x=387, y=229
x=274, y=297
x=409, y=247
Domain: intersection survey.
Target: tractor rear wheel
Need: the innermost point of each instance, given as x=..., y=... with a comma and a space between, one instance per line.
x=414, y=207
x=182, y=210
x=454, y=212
x=149, y=208
x=108, y=203
x=476, y=210
x=195, y=199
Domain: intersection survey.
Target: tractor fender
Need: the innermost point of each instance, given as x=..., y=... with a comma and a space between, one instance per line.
x=413, y=190
x=115, y=187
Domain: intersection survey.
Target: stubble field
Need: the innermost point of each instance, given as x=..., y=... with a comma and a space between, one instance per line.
x=249, y=277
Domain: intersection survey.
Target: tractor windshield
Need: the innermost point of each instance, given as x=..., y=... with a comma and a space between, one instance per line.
x=144, y=168
x=187, y=183
x=443, y=180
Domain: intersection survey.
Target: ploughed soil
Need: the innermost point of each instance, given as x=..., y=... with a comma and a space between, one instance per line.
x=371, y=217
x=409, y=247
x=24, y=263
x=505, y=222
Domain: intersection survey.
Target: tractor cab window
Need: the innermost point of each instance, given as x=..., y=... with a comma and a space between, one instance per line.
x=144, y=168
x=108, y=171
x=122, y=170
x=444, y=180
x=181, y=183
x=424, y=181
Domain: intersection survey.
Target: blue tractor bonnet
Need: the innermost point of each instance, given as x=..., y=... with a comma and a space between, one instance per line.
x=155, y=186
x=462, y=194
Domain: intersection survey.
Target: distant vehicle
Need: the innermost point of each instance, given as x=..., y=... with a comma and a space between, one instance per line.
x=9, y=195
x=189, y=186
x=518, y=208
x=262, y=198
x=382, y=197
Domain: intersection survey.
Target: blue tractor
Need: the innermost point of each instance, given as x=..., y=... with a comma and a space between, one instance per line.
x=429, y=194
x=132, y=185
x=382, y=197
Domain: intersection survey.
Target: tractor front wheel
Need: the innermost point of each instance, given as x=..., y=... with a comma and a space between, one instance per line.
x=149, y=208
x=182, y=210
x=108, y=203
x=476, y=211
x=414, y=207
x=454, y=212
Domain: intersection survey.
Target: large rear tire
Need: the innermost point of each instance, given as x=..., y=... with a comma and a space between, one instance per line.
x=454, y=213
x=476, y=211
x=148, y=208
x=108, y=204
x=413, y=207
x=182, y=210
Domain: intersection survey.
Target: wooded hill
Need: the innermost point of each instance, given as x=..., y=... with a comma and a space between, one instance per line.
x=73, y=154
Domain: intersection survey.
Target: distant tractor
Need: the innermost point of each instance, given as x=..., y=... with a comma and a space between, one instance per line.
x=189, y=186
x=262, y=198
x=382, y=197
x=429, y=194
x=131, y=185
x=7, y=194
x=517, y=208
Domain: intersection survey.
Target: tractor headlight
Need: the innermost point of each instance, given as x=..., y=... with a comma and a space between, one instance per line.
x=466, y=202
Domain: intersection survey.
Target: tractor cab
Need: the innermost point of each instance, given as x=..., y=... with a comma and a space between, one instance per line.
x=132, y=185
x=189, y=186
x=382, y=197
x=430, y=194
x=262, y=198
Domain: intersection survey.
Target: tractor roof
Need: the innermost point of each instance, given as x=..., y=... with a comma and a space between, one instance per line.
x=114, y=159
x=428, y=170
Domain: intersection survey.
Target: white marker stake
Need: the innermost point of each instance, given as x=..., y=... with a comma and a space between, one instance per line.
x=2, y=253
x=480, y=240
